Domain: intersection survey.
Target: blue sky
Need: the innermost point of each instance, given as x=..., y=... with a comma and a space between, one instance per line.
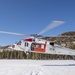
x=32, y=16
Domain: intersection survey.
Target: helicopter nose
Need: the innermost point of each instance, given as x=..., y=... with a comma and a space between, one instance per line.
x=13, y=46
x=10, y=46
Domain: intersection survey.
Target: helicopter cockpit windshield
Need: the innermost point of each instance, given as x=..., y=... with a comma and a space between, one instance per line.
x=18, y=43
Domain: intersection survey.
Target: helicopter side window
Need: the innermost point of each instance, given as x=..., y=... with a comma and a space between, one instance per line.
x=42, y=46
x=37, y=46
x=52, y=43
x=26, y=44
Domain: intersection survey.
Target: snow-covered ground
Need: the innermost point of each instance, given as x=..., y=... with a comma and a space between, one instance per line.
x=37, y=67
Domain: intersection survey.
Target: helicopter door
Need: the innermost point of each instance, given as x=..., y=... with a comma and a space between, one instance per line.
x=32, y=47
x=39, y=47
x=26, y=47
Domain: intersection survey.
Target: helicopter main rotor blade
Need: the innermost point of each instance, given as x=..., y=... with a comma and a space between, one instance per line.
x=54, y=24
x=13, y=33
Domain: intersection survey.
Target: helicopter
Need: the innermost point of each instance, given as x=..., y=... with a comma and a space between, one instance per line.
x=36, y=44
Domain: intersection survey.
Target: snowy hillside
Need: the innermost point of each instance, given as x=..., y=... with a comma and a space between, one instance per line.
x=37, y=67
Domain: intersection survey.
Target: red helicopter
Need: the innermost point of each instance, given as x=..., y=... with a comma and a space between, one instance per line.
x=38, y=45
